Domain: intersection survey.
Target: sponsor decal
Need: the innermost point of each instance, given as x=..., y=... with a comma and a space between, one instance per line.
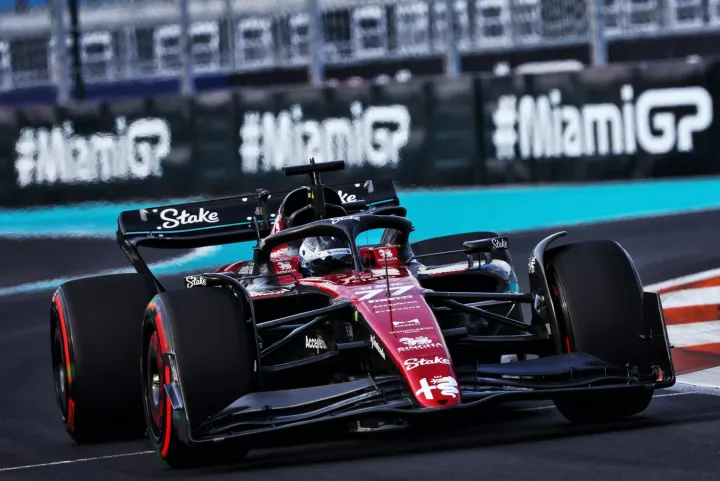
x=386, y=255
x=447, y=385
x=395, y=309
x=174, y=219
x=316, y=343
x=247, y=268
x=195, y=281
x=531, y=265
x=412, y=322
x=373, y=135
x=346, y=198
x=375, y=344
x=418, y=343
x=412, y=331
x=349, y=329
x=284, y=267
x=395, y=292
x=349, y=217
x=413, y=362
x=396, y=306
x=60, y=156
x=310, y=255
x=655, y=122
x=499, y=243
x=391, y=300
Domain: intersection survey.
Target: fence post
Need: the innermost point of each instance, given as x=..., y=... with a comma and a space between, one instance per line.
x=452, y=54
x=317, y=44
x=231, y=32
x=187, y=81
x=60, y=67
x=598, y=43
x=77, y=67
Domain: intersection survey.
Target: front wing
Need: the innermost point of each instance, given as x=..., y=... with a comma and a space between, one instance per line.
x=388, y=397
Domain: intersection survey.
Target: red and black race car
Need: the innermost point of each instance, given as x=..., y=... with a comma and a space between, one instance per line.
x=328, y=326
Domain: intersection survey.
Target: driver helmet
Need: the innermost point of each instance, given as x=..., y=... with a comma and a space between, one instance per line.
x=319, y=256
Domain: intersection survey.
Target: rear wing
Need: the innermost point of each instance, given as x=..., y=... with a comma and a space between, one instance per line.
x=235, y=219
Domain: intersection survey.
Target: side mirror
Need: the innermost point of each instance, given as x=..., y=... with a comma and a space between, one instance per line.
x=485, y=246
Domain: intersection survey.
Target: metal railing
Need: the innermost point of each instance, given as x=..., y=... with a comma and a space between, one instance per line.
x=124, y=39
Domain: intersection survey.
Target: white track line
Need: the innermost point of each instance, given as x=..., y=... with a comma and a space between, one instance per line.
x=73, y=461
x=54, y=283
x=694, y=334
x=700, y=296
x=675, y=394
x=141, y=453
x=700, y=276
x=704, y=378
x=683, y=336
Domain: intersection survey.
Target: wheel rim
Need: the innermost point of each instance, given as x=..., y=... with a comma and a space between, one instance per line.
x=153, y=387
x=60, y=375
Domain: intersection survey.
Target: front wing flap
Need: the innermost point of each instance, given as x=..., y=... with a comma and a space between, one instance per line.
x=543, y=378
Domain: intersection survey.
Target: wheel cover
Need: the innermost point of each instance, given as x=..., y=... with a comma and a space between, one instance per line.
x=60, y=375
x=154, y=390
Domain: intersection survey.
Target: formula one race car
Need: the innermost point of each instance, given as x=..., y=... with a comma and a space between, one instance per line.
x=322, y=329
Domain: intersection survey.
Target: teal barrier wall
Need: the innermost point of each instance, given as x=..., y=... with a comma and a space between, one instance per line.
x=434, y=213
x=440, y=212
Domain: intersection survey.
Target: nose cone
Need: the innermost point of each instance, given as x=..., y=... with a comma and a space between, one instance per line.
x=406, y=331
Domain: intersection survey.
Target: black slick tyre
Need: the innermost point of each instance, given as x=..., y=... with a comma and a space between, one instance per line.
x=95, y=346
x=206, y=331
x=599, y=302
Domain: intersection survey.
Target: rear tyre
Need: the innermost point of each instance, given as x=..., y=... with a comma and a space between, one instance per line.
x=95, y=344
x=206, y=330
x=599, y=303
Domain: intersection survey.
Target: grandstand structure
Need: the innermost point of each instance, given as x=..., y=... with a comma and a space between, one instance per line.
x=129, y=39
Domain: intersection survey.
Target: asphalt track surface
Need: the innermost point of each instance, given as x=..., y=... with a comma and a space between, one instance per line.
x=25, y=260
x=675, y=439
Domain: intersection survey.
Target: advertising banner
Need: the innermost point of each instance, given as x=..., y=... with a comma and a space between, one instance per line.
x=230, y=142
x=94, y=152
x=619, y=122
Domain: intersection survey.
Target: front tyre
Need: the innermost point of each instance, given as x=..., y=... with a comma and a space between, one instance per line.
x=204, y=331
x=599, y=303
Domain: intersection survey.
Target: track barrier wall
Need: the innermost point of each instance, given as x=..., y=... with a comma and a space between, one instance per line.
x=617, y=123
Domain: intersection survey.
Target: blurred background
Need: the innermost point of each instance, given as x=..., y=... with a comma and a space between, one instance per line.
x=263, y=42
x=107, y=105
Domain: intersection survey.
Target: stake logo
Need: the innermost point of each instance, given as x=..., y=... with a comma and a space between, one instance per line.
x=412, y=363
x=499, y=243
x=542, y=127
x=195, y=281
x=174, y=219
